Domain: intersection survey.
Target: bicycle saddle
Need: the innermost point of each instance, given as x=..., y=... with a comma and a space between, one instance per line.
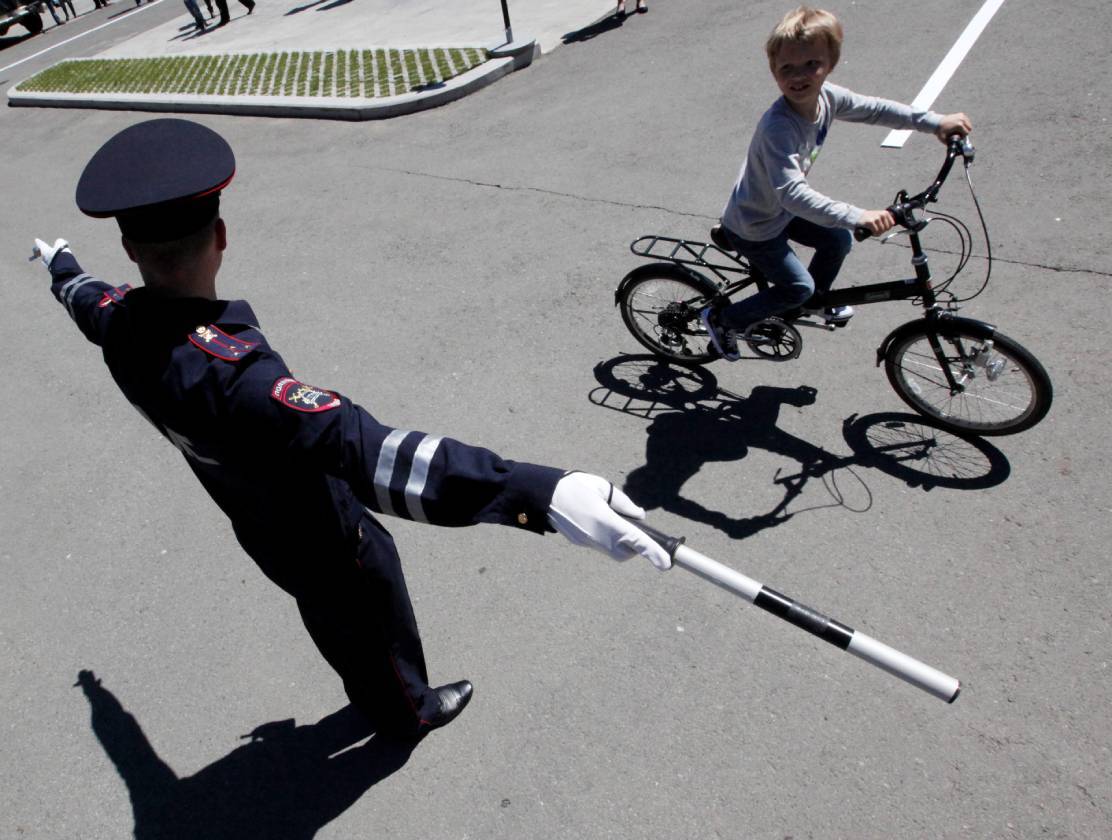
x=718, y=237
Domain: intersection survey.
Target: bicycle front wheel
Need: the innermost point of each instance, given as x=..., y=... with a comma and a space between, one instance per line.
x=1001, y=388
x=660, y=305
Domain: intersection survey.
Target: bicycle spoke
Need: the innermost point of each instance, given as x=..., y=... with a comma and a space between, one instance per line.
x=997, y=390
x=661, y=308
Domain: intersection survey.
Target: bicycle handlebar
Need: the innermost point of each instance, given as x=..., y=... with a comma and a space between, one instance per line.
x=903, y=208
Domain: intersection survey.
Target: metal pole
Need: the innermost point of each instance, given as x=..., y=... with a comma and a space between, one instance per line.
x=506, y=20
x=864, y=647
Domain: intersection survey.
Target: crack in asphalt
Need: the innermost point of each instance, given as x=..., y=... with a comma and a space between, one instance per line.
x=542, y=191
x=1061, y=269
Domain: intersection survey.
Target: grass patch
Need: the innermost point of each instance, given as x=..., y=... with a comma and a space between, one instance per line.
x=366, y=74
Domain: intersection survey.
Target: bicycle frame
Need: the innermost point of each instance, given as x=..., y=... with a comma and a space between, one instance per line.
x=688, y=252
x=661, y=304
x=722, y=262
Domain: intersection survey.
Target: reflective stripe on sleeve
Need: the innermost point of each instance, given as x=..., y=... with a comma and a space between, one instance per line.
x=384, y=470
x=419, y=475
x=67, y=291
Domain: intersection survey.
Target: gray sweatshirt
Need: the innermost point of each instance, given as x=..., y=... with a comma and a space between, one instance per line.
x=772, y=186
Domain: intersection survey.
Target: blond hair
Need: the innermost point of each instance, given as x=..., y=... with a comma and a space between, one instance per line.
x=806, y=25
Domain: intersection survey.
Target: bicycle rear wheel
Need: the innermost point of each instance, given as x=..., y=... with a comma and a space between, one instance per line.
x=660, y=305
x=1002, y=388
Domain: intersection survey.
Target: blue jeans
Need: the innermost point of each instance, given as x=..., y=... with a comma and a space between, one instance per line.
x=196, y=12
x=789, y=283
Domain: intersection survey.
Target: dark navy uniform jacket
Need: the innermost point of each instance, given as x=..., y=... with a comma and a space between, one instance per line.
x=295, y=468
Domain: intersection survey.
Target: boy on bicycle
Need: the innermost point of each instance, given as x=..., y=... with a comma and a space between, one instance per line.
x=772, y=202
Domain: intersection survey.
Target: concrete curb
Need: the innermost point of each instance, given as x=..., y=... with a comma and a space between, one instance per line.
x=520, y=55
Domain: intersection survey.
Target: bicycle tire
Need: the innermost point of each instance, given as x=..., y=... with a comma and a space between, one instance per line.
x=660, y=306
x=1005, y=390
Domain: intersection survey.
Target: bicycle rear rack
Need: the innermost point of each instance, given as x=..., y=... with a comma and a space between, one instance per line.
x=689, y=252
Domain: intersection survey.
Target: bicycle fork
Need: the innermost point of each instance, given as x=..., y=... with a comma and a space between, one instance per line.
x=940, y=324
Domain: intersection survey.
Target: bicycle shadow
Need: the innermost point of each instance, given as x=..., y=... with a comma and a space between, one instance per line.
x=285, y=783
x=692, y=422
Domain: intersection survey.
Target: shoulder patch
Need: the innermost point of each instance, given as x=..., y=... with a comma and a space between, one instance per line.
x=301, y=397
x=114, y=295
x=218, y=343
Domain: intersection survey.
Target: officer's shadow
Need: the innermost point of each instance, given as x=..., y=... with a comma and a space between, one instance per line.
x=284, y=783
x=693, y=422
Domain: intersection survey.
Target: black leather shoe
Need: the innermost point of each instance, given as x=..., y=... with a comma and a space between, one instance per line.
x=453, y=698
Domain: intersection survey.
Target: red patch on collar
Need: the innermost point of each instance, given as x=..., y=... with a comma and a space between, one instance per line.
x=301, y=397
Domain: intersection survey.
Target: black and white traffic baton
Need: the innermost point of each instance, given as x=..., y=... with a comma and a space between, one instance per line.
x=864, y=647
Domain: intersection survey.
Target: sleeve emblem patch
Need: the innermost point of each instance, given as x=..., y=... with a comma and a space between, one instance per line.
x=114, y=295
x=301, y=397
x=216, y=342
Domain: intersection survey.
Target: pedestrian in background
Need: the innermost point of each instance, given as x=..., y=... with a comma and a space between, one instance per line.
x=196, y=12
x=621, y=10
x=50, y=4
x=67, y=7
x=225, y=16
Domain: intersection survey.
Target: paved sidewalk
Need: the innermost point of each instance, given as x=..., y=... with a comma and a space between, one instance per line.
x=306, y=25
x=362, y=24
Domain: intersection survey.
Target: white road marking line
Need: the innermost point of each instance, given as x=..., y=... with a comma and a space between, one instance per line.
x=148, y=5
x=946, y=69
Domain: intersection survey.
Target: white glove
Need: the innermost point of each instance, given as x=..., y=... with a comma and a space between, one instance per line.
x=585, y=509
x=47, y=253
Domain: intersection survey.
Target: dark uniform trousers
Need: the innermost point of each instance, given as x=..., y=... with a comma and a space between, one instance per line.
x=361, y=619
x=301, y=473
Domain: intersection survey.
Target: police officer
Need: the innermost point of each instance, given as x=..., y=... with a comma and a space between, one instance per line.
x=272, y=450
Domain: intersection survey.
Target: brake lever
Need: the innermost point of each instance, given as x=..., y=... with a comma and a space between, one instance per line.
x=892, y=234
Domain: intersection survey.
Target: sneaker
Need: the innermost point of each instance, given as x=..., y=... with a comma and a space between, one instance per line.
x=724, y=340
x=835, y=313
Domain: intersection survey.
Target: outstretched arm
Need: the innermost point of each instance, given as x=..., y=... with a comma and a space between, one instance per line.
x=84, y=296
x=424, y=477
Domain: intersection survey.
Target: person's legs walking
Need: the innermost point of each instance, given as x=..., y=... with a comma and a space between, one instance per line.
x=54, y=14
x=194, y=10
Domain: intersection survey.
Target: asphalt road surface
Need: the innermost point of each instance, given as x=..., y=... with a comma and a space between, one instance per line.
x=453, y=271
